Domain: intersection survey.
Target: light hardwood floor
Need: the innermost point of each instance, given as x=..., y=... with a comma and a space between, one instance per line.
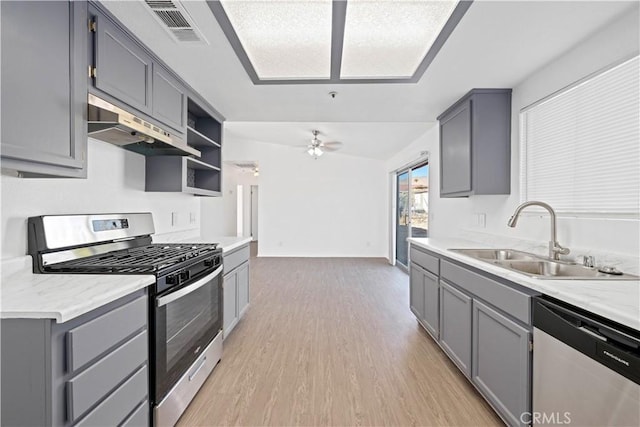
x=331, y=342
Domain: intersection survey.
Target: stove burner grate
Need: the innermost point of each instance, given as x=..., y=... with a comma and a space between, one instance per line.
x=140, y=260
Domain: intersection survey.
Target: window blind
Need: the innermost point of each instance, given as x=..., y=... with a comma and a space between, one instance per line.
x=580, y=148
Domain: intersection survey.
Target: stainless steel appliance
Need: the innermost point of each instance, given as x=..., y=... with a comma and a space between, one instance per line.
x=112, y=124
x=185, y=302
x=586, y=369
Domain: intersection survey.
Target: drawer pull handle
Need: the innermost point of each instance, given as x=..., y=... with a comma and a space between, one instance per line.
x=192, y=376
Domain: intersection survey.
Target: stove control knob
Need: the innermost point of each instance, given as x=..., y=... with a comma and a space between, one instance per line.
x=184, y=275
x=209, y=262
x=173, y=279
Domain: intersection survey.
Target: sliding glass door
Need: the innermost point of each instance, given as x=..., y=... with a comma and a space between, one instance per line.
x=402, y=217
x=412, y=212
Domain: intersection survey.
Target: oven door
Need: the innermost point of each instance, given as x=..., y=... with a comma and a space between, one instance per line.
x=186, y=321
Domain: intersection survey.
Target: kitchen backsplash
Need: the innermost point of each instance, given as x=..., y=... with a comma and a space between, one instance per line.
x=115, y=183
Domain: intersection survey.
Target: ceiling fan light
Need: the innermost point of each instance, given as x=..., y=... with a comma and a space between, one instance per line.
x=315, y=152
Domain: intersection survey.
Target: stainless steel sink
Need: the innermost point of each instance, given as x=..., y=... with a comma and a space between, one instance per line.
x=496, y=254
x=539, y=267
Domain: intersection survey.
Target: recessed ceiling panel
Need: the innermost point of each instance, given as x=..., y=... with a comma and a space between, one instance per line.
x=284, y=39
x=389, y=39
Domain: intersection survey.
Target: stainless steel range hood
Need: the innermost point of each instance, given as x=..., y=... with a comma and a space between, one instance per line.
x=114, y=125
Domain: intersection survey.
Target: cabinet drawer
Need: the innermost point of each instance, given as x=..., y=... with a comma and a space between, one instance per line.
x=426, y=261
x=115, y=408
x=88, y=341
x=92, y=385
x=235, y=258
x=510, y=300
x=139, y=418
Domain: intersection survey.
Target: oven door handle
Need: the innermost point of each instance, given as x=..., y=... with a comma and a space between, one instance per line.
x=162, y=301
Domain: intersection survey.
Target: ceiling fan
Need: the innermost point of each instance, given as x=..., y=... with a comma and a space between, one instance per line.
x=318, y=147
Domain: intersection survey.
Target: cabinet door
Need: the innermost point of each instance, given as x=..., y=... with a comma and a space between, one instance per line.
x=502, y=362
x=230, y=303
x=416, y=291
x=44, y=59
x=243, y=289
x=431, y=317
x=455, y=326
x=169, y=100
x=455, y=151
x=123, y=69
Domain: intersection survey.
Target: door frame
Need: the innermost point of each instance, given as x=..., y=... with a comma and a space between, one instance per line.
x=393, y=193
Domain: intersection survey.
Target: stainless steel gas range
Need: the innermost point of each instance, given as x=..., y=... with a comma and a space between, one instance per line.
x=185, y=303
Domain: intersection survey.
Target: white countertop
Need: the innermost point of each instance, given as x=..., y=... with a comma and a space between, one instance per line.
x=618, y=300
x=62, y=297
x=227, y=243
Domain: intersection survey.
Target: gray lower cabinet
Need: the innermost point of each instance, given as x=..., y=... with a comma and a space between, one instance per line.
x=169, y=99
x=455, y=326
x=243, y=289
x=236, y=287
x=416, y=291
x=431, y=315
x=90, y=371
x=424, y=293
x=502, y=362
x=475, y=144
x=423, y=298
x=123, y=68
x=44, y=60
x=482, y=322
x=230, y=306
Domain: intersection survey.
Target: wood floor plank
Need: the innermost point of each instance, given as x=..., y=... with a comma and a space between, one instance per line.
x=331, y=342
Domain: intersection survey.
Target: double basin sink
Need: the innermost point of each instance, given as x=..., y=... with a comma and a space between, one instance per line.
x=538, y=267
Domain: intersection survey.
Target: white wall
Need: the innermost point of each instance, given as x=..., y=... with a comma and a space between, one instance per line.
x=333, y=206
x=453, y=217
x=115, y=183
x=219, y=214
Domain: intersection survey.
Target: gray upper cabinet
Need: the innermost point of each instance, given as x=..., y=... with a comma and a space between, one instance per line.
x=502, y=362
x=123, y=68
x=44, y=59
x=169, y=99
x=455, y=326
x=475, y=144
x=455, y=131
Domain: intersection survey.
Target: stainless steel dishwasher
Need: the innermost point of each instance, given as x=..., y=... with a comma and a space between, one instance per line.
x=586, y=369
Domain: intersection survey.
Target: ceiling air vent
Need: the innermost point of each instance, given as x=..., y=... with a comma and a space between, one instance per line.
x=176, y=21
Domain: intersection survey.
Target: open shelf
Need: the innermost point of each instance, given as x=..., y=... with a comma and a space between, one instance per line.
x=199, y=176
x=197, y=139
x=197, y=164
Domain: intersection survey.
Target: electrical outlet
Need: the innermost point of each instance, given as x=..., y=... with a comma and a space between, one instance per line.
x=192, y=217
x=174, y=219
x=480, y=219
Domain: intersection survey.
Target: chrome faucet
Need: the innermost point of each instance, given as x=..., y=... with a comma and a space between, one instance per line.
x=555, y=250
